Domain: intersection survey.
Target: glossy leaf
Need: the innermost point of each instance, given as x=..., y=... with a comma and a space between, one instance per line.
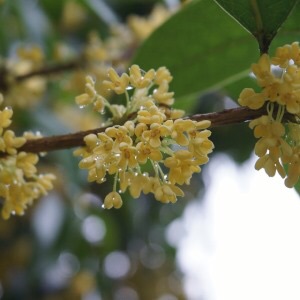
x=261, y=18
x=289, y=33
x=203, y=48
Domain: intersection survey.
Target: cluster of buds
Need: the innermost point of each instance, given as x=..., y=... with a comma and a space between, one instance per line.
x=153, y=152
x=20, y=183
x=278, y=146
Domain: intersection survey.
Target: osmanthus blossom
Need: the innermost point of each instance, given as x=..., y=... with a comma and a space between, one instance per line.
x=24, y=93
x=278, y=147
x=20, y=183
x=140, y=154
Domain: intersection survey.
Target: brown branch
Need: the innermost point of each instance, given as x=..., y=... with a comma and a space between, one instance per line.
x=66, y=141
x=58, y=142
x=226, y=117
x=229, y=116
x=49, y=70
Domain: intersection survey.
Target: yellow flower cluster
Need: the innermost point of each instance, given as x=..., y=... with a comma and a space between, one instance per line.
x=19, y=182
x=152, y=153
x=116, y=50
x=278, y=147
x=142, y=27
x=28, y=91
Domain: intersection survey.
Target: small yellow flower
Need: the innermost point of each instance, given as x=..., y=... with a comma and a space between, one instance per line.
x=200, y=145
x=130, y=126
x=249, y=98
x=203, y=124
x=117, y=83
x=180, y=129
x=12, y=142
x=95, y=52
x=154, y=135
x=83, y=99
x=290, y=98
x=282, y=56
x=99, y=103
x=152, y=185
x=176, y=114
x=45, y=182
x=137, y=184
x=162, y=94
x=87, y=162
x=139, y=129
x=262, y=71
x=119, y=134
x=5, y=118
x=182, y=165
x=73, y=15
x=117, y=111
x=145, y=152
x=291, y=75
x=162, y=75
x=113, y=199
x=139, y=80
x=168, y=193
x=142, y=27
x=268, y=163
x=295, y=53
x=27, y=162
x=90, y=93
x=33, y=53
x=128, y=156
x=150, y=114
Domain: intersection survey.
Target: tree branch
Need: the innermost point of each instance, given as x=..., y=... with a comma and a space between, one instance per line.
x=66, y=141
x=50, y=69
x=225, y=117
x=229, y=116
x=42, y=71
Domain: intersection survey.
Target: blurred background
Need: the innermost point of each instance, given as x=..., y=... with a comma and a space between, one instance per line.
x=234, y=229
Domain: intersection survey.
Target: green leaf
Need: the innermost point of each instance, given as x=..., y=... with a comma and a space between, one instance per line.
x=297, y=187
x=261, y=18
x=288, y=33
x=203, y=48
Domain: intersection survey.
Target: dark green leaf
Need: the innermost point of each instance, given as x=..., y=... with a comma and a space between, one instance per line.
x=203, y=48
x=261, y=18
